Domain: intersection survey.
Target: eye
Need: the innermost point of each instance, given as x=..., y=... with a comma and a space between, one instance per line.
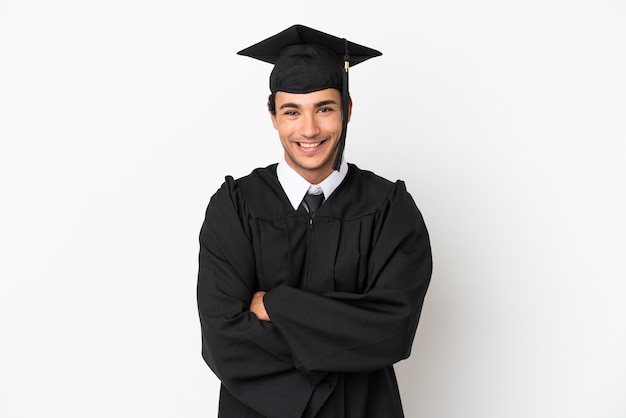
x=325, y=109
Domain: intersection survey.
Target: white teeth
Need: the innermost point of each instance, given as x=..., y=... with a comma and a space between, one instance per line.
x=309, y=145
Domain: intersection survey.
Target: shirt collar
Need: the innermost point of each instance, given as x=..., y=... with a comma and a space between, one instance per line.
x=296, y=187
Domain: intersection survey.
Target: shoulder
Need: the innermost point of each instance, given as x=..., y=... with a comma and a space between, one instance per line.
x=259, y=178
x=371, y=193
x=371, y=187
x=258, y=194
x=364, y=194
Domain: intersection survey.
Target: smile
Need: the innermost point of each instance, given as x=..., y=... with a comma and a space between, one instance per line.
x=310, y=144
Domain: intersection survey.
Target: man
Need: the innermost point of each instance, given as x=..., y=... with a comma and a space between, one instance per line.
x=306, y=304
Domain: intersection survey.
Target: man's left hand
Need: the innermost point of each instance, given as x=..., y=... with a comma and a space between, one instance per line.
x=257, y=307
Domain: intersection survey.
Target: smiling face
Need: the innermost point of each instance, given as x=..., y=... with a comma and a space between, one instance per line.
x=309, y=127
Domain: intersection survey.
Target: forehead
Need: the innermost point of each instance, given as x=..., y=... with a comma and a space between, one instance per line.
x=308, y=98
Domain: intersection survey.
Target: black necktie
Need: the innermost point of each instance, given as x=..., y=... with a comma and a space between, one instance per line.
x=314, y=201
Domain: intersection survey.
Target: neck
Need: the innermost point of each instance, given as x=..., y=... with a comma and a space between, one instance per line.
x=317, y=178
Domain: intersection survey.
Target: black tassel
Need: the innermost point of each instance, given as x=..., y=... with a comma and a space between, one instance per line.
x=345, y=104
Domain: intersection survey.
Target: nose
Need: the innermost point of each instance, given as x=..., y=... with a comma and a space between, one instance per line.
x=309, y=127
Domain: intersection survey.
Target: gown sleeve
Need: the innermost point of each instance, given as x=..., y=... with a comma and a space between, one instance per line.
x=252, y=360
x=349, y=332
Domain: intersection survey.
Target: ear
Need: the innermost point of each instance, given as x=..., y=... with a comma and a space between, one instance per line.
x=274, y=121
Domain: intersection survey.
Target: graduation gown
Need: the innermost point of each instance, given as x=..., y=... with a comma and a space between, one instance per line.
x=344, y=295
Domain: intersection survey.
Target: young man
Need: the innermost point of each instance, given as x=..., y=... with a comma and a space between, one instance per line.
x=312, y=272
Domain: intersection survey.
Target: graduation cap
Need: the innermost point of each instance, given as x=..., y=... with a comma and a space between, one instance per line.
x=307, y=60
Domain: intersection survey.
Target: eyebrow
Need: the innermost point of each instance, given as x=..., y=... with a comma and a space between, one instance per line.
x=286, y=105
x=297, y=106
x=326, y=102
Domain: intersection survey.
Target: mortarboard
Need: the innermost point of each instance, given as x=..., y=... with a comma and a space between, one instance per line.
x=307, y=60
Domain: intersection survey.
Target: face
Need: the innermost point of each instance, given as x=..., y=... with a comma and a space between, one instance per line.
x=309, y=127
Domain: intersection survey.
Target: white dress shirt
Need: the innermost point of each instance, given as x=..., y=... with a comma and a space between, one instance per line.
x=296, y=187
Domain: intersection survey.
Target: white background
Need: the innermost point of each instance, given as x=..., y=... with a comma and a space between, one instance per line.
x=507, y=120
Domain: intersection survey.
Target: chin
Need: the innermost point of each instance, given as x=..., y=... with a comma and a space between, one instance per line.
x=315, y=166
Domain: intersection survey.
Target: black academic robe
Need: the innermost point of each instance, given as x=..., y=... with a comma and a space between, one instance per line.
x=344, y=295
